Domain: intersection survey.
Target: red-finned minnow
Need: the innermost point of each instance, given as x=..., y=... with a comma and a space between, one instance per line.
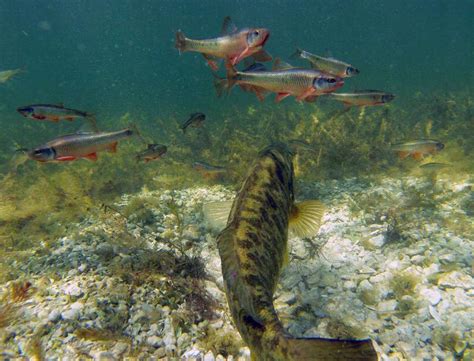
x=81, y=145
x=254, y=248
x=363, y=98
x=234, y=45
x=327, y=65
x=152, y=152
x=52, y=112
x=6, y=75
x=195, y=121
x=418, y=149
x=209, y=171
x=283, y=79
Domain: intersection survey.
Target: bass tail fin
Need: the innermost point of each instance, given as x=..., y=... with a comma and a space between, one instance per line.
x=180, y=43
x=322, y=349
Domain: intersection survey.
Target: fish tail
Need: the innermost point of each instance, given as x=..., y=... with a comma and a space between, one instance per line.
x=221, y=85
x=180, y=43
x=306, y=349
x=296, y=54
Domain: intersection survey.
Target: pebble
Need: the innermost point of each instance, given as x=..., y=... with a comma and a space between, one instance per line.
x=432, y=295
x=209, y=356
x=54, y=315
x=154, y=341
x=73, y=312
x=456, y=279
x=387, y=306
x=73, y=289
x=311, y=291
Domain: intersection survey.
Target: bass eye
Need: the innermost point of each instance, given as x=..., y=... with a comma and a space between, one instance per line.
x=256, y=33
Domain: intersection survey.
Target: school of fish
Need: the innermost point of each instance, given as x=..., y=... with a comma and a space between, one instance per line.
x=253, y=241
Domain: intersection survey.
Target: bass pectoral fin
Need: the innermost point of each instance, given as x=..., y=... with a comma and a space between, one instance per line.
x=305, y=218
x=216, y=214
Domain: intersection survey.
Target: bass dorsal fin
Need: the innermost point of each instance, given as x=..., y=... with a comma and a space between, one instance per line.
x=228, y=26
x=278, y=64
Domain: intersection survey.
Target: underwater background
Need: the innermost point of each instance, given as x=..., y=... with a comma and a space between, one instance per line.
x=117, y=60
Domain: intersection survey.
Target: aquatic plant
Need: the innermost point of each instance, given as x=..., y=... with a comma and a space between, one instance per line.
x=226, y=343
x=345, y=327
x=403, y=284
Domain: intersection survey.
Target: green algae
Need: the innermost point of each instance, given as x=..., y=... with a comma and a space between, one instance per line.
x=403, y=284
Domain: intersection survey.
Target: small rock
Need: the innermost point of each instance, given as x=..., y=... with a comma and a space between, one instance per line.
x=387, y=306
x=105, y=251
x=154, y=341
x=73, y=312
x=377, y=241
x=104, y=356
x=160, y=353
x=209, y=356
x=82, y=268
x=119, y=349
x=54, y=316
x=432, y=295
x=456, y=279
x=73, y=290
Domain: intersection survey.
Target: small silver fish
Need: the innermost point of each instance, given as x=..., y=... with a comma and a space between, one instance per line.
x=7, y=75
x=153, y=152
x=195, y=121
x=81, y=145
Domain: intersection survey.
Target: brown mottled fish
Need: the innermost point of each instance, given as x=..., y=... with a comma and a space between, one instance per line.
x=233, y=45
x=253, y=250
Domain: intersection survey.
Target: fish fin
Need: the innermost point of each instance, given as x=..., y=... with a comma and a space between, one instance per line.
x=296, y=54
x=221, y=86
x=260, y=93
x=255, y=67
x=308, y=349
x=417, y=155
x=311, y=98
x=281, y=96
x=305, y=218
x=262, y=55
x=180, y=43
x=278, y=64
x=92, y=157
x=65, y=158
x=92, y=121
x=212, y=62
x=402, y=154
x=228, y=26
x=217, y=213
x=113, y=147
x=236, y=59
x=307, y=93
x=232, y=75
